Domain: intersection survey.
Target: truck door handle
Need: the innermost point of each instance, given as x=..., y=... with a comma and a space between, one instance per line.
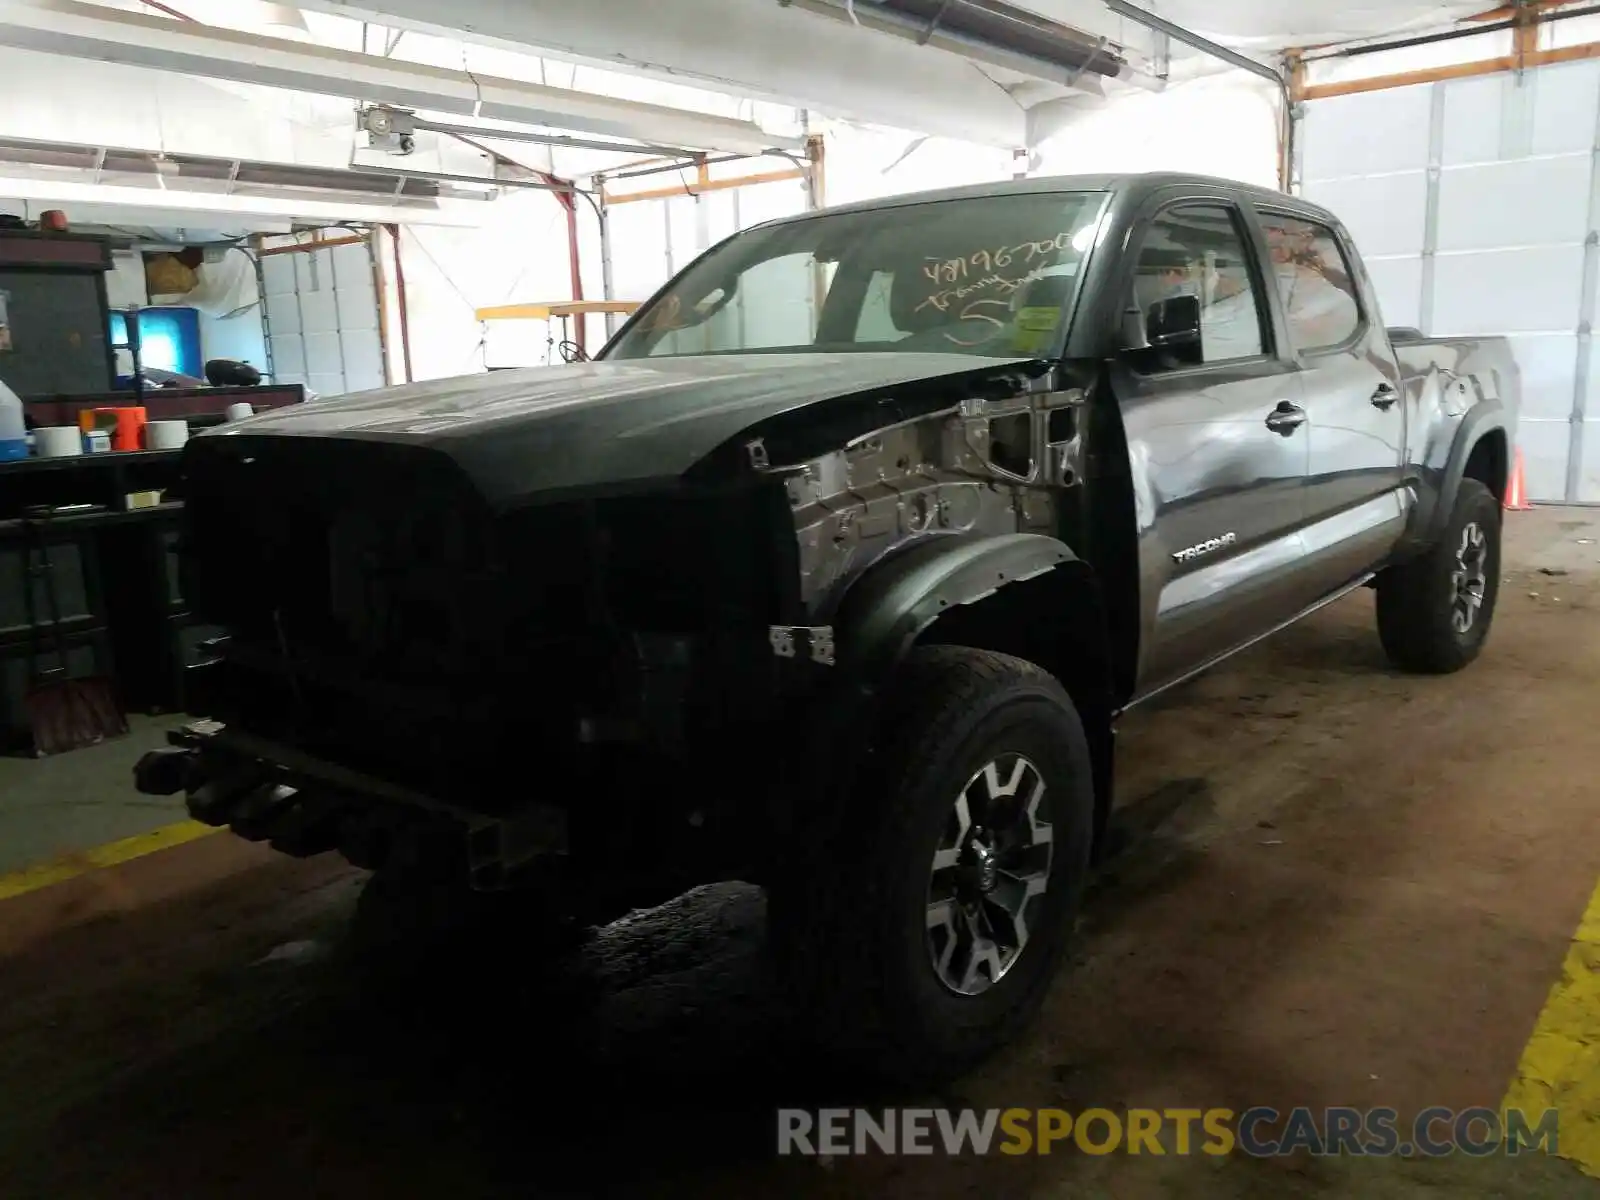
x=1286, y=418
x=1385, y=396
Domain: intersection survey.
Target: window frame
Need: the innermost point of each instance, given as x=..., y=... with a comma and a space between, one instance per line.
x=1268, y=303
x=1263, y=215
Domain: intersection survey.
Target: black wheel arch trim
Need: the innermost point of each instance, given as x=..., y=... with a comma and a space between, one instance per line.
x=1435, y=503
x=883, y=613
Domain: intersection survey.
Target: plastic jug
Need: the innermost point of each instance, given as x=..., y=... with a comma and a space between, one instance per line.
x=13, y=430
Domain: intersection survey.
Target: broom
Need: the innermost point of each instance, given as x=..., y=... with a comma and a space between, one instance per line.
x=63, y=713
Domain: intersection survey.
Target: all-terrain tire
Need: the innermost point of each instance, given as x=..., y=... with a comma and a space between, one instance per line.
x=849, y=919
x=1420, y=601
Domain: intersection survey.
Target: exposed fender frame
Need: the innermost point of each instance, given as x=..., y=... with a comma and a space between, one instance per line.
x=886, y=609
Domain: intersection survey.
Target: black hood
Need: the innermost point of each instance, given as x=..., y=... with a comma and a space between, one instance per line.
x=599, y=425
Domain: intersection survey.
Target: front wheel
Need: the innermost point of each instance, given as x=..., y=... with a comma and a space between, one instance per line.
x=1434, y=611
x=925, y=916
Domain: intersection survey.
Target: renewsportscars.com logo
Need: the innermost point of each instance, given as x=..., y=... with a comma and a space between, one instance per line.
x=1257, y=1132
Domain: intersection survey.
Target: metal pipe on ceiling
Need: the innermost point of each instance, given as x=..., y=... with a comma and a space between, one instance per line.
x=561, y=140
x=689, y=161
x=1194, y=40
x=1077, y=58
x=450, y=177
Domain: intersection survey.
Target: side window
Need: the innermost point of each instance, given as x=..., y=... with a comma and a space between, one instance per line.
x=1314, y=280
x=1197, y=250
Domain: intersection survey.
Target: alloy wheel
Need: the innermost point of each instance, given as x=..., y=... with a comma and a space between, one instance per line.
x=1470, y=579
x=989, y=875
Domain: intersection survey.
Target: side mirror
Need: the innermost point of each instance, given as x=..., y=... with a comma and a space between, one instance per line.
x=1173, y=325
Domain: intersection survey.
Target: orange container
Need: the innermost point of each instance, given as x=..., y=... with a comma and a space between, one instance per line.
x=129, y=433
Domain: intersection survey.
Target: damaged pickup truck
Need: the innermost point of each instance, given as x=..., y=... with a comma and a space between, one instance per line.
x=832, y=573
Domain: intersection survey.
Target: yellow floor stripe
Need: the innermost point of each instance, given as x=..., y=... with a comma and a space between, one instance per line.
x=69, y=866
x=1560, y=1065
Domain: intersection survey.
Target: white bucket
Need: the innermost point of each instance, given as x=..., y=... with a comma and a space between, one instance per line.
x=58, y=441
x=165, y=435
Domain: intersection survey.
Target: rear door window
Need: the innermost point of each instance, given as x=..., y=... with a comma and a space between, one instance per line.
x=1315, y=281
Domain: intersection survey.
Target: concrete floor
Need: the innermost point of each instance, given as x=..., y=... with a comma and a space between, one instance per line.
x=1337, y=885
x=56, y=807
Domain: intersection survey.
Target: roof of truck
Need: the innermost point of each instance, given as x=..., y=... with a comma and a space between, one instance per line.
x=1130, y=188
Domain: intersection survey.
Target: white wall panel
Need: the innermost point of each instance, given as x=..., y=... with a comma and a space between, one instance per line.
x=1386, y=214
x=1499, y=175
x=1370, y=133
x=1545, y=447
x=1563, y=96
x=1548, y=363
x=1398, y=282
x=1525, y=202
x=1507, y=291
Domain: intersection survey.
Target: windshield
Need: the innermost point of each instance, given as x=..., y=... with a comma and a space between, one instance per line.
x=990, y=275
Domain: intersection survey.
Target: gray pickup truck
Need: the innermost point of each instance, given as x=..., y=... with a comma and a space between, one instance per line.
x=833, y=573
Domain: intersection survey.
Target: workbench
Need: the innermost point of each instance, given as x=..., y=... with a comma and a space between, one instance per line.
x=116, y=570
x=116, y=577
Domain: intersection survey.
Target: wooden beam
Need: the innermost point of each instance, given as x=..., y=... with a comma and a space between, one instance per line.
x=308, y=247
x=817, y=155
x=716, y=185
x=1487, y=66
x=555, y=308
x=1525, y=39
x=380, y=287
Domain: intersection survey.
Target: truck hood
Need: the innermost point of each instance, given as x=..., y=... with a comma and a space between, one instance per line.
x=599, y=425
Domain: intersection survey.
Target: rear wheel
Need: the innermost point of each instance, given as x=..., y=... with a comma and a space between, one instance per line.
x=927, y=913
x=1434, y=611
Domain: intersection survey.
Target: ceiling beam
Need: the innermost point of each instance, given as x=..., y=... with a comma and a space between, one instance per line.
x=90, y=31
x=747, y=48
x=465, y=214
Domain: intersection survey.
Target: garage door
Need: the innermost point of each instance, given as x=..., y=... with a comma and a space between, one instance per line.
x=1477, y=204
x=321, y=312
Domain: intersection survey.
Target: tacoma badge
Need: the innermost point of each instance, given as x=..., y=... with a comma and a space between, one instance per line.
x=1209, y=546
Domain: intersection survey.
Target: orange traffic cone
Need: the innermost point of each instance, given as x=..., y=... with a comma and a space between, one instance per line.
x=1517, y=489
